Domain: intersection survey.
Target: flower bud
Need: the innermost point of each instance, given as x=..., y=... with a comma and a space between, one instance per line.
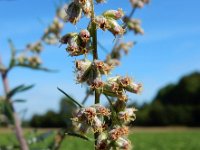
x=100, y=1
x=101, y=22
x=35, y=47
x=127, y=115
x=115, y=28
x=117, y=132
x=65, y=38
x=34, y=61
x=82, y=65
x=84, y=71
x=137, y=3
x=124, y=144
x=90, y=113
x=73, y=46
x=102, y=67
x=112, y=62
x=84, y=35
x=87, y=8
x=74, y=13
x=125, y=47
x=120, y=105
x=97, y=85
x=146, y=1
x=61, y=13
x=134, y=88
x=114, y=14
x=97, y=125
x=101, y=110
x=22, y=60
x=80, y=2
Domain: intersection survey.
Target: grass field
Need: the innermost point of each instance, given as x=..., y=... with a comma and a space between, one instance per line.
x=143, y=139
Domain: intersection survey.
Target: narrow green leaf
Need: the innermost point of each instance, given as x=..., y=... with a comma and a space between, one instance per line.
x=37, y=68
x=13, y=53
x=73, y=100
x=19, y=101
x=79, y=136
x=20, y=88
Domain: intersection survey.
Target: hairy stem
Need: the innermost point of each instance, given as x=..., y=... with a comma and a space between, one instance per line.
x=17, y=122
x=95, y=57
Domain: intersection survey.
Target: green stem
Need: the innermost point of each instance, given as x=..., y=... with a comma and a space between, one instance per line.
x=94, y=33
x=95, y=57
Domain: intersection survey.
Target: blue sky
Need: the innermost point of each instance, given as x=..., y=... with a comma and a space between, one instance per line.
x=169, y=49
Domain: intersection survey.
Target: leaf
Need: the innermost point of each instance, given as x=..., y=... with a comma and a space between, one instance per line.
x=36, y=68
x=73, y=100
x=18, y=89
x=19, y=101
x=13, y=53
x=79, y=136
x=7, y=111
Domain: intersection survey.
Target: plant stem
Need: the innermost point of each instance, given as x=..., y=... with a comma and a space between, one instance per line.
x=17, y=122
x=95, y=57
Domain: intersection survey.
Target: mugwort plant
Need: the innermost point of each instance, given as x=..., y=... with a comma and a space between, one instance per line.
x=109, y=125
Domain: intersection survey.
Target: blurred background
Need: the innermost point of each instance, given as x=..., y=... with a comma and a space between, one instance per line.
x=166, y=60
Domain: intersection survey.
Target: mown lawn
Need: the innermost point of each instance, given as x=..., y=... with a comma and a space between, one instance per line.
x=143, y=139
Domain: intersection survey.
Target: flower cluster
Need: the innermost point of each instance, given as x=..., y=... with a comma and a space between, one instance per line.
x=134, y=25
x=91, y=118
x=88, y=71
x=117, y=87
x=108, y=21
x=115, y=138
x=77, y=7
x=33, y=61
x=139, y=3
x=78, y=43
x=52, y=33
x=113, y=58
x=35, y=47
